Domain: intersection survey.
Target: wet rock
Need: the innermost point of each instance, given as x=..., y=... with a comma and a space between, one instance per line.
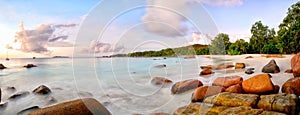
x=228, y=81
x=259, y=84
x=11, y=89
x=50, y=100
x=240, y=65
x=241, y=110
x=233, y=99
x=234, y=89
x=42, y=89
x=291, y=86
x=160, y=81
x=2, y=66
x=249, y=71
x=249, y=57
x=186, y=85
x=18, y=95
x=208, y=67
x=86, y=106
x=27, y=110
x=3, y=105
x=271, y=67
x=199, y=109
x=206, y=72
x=205, y=91
x=161, y=66
x=285, y=103
x=295, y=64
x=288, y=71
x=224, y=66
x=30, y=66
x=276, y=89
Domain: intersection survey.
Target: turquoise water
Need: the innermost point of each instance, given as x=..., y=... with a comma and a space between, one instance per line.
x=121, y=84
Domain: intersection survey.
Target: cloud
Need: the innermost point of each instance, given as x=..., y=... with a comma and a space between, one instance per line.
x=37, y=40
x=58, y=38
x=99, y=47
x=199, y=38
x=65, y=25
x=162, y=18
x=163, y=21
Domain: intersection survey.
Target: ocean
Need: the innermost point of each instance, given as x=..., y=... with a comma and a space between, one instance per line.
x=122, y=85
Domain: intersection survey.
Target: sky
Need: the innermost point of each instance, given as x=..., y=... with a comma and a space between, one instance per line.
x=103, y=27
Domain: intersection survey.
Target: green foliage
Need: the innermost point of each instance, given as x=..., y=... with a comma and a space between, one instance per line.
x=261, y=35
x=203, y=51
x=289, y=30
x=220, y=44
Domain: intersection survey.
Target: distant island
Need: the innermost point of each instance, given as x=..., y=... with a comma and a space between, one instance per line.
x=60, y=57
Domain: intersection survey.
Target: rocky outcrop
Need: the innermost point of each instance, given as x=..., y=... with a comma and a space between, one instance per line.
x=186, y=85
x=205, y=91
x=241, y=110
x=87, y=106
x=259, y=84
x=2, y=66
x=160, y=81
x=271, y=67
x=42, y=90
x=228, y=81
x=199, y=109
x=30, y=66
x=295, y=64
x=233, y=99
x=249, y=71
x=234, y=89
x=18, y=95
x=285, y=103
x=206, y=72
x=291, y=86
x=240, y=65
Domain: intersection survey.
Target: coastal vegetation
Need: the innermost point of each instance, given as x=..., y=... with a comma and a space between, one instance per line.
x=264, y=40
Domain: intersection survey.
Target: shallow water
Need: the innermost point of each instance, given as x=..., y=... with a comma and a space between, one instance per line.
x=121, y=84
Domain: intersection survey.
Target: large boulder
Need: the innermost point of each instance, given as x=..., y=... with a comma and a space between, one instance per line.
x=86, y=106
x=224, y=66
x=206, y=72
x=186, y=85
x=240, y=65
x=234, y=89
x=2, y=66
x=232, y=99
x=30, y=66
x=42, y=90
x=199, y=109
x=228, y=81
x=291, y=86
x=285, y=103
x=208, y=67
x=160, y=81
x=271, y=67
x=295, y=63
x=205, y=91
x=259, y=84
